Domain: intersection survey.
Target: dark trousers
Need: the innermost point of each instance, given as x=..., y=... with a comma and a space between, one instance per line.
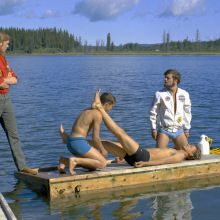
x=8, y=122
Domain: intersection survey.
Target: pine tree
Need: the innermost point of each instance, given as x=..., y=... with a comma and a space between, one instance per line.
x=108, y=42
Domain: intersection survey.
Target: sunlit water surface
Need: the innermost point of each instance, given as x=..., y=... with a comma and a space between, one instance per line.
x=54, y=89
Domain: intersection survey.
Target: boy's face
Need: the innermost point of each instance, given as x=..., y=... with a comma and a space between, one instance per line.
x=107, y=106
x=169, y=81
x=4, y=46
x=189, y=149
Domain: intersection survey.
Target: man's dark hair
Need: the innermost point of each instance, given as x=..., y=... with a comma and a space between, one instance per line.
x=107, y=97
x=175, y=74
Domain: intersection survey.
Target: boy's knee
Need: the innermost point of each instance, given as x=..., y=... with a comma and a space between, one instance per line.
x=103, y=164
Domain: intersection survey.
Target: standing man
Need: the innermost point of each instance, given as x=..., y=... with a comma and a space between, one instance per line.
x=7, y=117
x=170, y=114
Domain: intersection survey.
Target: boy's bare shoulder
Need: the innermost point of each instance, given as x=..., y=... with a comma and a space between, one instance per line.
x=91, y=111
x=96, y=114
x=180, y=154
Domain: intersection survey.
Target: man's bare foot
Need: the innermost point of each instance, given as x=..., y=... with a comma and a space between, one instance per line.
x=63, y=134
x=61, y=166
x=72, y=164
x=97, y=102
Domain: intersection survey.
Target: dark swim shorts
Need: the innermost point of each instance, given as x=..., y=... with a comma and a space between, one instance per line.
x=140, y=155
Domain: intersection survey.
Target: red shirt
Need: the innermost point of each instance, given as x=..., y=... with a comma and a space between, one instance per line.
x=4, y=67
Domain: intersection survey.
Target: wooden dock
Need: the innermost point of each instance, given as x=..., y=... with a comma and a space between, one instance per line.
x=116, y=176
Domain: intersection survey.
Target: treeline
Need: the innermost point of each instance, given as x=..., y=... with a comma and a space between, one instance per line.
x=168, y=46
x=189, y=46
x=53, y=40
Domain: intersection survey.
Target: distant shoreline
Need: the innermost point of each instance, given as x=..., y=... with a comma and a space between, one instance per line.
x=110, y=54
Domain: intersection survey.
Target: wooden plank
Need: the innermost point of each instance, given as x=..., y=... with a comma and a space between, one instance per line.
x=59, y=188
x=142, y=191
x=118, y=175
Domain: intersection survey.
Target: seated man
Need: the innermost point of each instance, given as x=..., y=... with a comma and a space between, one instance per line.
x=87, y=156
x=131, y=151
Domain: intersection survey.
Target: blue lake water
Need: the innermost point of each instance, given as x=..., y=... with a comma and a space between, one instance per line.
x=54, y=89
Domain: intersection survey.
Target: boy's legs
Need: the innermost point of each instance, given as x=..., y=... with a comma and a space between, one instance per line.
x=162, y=140
x=63, y=134
x=180, y=141
x=129, y=145
x=91, y=160
x=112, y=147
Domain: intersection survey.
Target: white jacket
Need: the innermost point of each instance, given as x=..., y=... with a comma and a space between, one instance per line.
x=162, y=111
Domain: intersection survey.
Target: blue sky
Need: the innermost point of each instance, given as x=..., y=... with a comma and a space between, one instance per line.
x=128, y=21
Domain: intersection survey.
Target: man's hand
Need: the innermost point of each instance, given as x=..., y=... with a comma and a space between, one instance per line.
x=9, y=75
x=104, y=152
x=10, y=80
x=154, y=135
x=138, y=164
x=4, y=86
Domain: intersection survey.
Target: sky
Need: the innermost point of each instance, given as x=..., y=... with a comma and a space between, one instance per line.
x=127, y=21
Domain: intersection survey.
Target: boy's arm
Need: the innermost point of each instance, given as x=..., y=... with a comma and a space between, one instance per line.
x=4, y=85
x=187, y=115
x=9, y=81
x=176, y=158
x=95, y=134
x=153, y=112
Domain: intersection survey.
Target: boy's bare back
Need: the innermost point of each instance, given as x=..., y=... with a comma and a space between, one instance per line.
x=86, y=120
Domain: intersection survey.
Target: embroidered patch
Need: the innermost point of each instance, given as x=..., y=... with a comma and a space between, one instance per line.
x=182, y=98
x=179, y=119
x=0, y=73
x=167, y=98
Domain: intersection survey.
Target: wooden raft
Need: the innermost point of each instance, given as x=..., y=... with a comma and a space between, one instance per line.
x=50, y=182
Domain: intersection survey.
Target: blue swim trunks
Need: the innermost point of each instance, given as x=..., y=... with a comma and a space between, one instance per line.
x=172, y=135
x=78, y=145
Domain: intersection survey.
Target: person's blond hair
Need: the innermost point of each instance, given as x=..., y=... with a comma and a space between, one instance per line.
x=196, y=154
x=4, y=37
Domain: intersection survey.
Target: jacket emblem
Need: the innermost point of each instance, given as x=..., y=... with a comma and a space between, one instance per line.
x=182, y=98
x=167, y=98
x=0, y=73
x=179, y=119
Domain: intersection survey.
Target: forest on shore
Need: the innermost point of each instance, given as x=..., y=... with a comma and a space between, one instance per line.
x=58, y=41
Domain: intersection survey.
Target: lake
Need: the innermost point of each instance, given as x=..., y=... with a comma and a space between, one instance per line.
x=53, y=89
